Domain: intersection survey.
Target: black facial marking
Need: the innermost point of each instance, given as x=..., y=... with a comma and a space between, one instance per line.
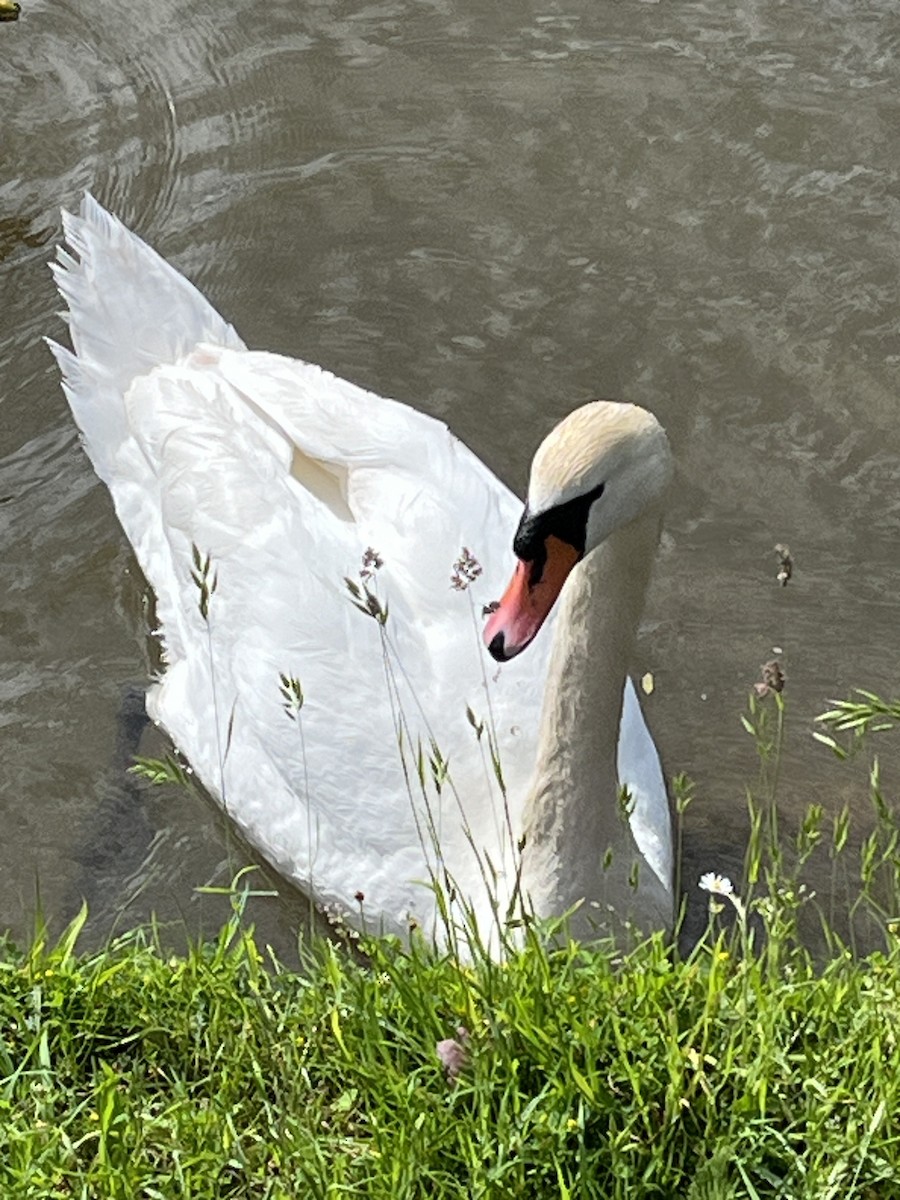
x=568, y=522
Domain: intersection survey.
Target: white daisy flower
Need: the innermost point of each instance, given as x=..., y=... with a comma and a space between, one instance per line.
x=719, y=885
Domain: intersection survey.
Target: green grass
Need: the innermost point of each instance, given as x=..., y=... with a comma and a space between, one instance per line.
x=132, y=1073
x=745, y=1068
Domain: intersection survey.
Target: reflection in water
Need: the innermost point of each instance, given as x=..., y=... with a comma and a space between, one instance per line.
x=493, y=215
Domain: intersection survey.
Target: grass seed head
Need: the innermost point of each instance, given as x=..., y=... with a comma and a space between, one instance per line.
x=466, y=570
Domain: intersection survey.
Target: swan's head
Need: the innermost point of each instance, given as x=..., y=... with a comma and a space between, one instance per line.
x=601, y=467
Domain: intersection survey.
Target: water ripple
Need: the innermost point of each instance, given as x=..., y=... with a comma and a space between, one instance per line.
x=493, y=211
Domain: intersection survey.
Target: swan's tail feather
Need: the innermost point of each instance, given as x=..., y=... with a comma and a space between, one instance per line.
x=128, y=312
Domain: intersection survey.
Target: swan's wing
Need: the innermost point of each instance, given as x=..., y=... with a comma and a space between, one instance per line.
x=284, y=476
x=128, y=311
x=640, y=771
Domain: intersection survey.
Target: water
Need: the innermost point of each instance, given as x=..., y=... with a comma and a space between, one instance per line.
x=492, y=213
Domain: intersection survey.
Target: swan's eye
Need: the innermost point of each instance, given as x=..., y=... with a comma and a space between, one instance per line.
x=568, y=522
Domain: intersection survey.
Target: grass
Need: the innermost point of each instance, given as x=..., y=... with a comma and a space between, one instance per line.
x=744, y=1067
x=218, y=1073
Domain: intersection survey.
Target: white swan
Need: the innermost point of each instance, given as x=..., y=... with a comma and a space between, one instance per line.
x=284, y=475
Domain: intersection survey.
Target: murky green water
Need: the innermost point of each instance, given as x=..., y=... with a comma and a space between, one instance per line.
x=492, y=212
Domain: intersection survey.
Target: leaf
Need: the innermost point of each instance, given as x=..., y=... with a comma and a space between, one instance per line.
x=838, y=751
x=581, y=1083
x=335, y=1021
x=160, y=771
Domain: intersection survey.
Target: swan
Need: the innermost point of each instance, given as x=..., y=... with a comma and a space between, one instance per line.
x=327, y=684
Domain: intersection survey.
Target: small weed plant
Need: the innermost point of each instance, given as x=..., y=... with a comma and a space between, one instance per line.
x=744, y=1067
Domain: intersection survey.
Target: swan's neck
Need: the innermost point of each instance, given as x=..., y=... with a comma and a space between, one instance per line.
x=578, y=846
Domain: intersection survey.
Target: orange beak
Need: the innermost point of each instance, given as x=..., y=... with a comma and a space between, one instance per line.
x=525, y=604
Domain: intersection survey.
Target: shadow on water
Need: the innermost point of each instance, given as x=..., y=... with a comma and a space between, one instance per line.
x=16, y=232
x=128, y=858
